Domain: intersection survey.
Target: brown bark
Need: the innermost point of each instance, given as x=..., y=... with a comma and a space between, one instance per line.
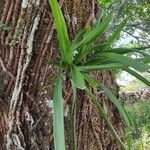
x=27, y=79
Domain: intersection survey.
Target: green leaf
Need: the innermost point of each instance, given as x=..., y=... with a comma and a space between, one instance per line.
x=73, y=116
x=77, y=77
x=128, y=138
x=92, y=82
x=58, y=115
x=62, y=33
x=126, y=61
x=146, y=59
x=101, y=67
x=109, y=94
x=117, y=31
x=82, y=54
x=104, y=3
x=78, y=37
x=104, y=116
x=117, y=103
x=91, y=36
x=100, y=47
x=125, y=50
x=94, y=60
x=138, y=76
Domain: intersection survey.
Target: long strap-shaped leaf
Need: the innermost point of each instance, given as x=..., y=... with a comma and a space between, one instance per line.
x=91, y=36
x=87, y=50
x=104, y=116
x=73, y=117
x=137, y=65
x=145, y=60
x=138, y=76
x=58, y=115
x=77, y=77
x=92, y=82
x=124, y=50
x=78, y=37
x=117, y=103
x=115, y=35
x=101, y=67
x=62, y=33
x=117, y=31
x=98, y=61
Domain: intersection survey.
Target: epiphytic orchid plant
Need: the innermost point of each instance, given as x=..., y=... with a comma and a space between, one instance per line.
x=101, y=56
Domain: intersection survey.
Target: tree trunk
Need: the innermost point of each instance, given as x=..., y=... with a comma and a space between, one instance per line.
x=27, y=80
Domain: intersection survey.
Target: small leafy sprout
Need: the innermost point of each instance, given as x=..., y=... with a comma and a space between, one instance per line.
x=85, y=54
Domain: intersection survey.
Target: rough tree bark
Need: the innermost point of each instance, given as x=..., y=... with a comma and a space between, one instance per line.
x=26, y=79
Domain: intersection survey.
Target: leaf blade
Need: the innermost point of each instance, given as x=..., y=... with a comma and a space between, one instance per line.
x=138, y=76
x=77, y=77
x=137, y=65
x=117, y=32
x=91, y=36
x=73, y=116
x=101, y=67
x=104, y=116
x=58, y=115
x=87, y=50
x=125, y=50
x=93, y=83
x=113, y=99
x=62, y=33
x=116, y=102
